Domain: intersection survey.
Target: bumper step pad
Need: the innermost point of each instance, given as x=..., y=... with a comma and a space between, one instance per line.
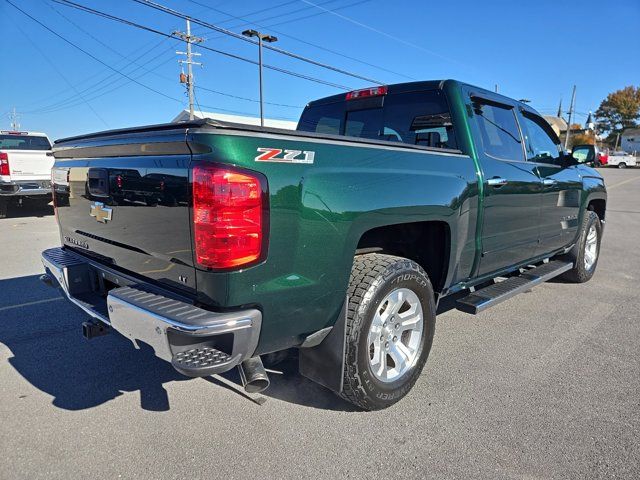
x=200, y=362
x=487, y=297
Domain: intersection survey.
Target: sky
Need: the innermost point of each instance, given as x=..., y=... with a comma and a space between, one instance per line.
x=126, y=76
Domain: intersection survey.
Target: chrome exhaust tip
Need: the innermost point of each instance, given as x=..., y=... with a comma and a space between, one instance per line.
x=253, y=375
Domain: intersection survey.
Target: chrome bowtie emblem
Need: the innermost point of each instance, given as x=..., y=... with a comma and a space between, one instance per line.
x=101, y=213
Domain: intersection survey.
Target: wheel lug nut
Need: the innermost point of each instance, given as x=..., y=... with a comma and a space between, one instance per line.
x=395, y=339
x=397, y=326
x=381, y=337
x=386, y=345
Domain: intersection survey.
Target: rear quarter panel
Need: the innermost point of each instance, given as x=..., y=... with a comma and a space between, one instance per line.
x=319, y=211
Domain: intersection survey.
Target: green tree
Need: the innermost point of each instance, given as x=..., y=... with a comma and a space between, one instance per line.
x=620, y=110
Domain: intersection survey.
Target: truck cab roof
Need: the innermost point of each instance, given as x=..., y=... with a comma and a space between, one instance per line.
x=424, y=85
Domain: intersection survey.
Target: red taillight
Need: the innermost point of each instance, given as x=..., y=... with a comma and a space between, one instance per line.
x=119, y=181
x=228, y=209
x=4, y=163
x=367, y=92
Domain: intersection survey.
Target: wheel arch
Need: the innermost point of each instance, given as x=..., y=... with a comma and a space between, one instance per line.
x=598, y=205
x=428, y=243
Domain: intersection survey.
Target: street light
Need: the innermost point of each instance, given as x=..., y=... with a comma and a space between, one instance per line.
x=262, y=37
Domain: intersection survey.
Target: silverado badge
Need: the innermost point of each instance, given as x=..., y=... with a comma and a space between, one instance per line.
x=100, y=212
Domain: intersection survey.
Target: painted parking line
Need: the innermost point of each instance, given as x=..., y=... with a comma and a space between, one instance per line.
x=622, y=183
x=35, y=302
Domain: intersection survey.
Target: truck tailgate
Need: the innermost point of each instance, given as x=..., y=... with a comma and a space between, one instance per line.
x=123, y=199
x=29, y=165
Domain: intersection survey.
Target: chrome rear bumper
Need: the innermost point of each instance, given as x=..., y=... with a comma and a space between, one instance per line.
x=25, y=188
x=144, y=313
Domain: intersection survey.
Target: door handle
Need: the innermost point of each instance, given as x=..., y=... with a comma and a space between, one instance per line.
x=497, y=182
x=549, y=181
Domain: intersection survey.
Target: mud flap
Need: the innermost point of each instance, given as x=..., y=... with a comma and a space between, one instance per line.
x=324, y=363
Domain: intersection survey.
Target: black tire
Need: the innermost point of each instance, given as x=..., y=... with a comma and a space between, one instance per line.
x=580, y=273
x=4, y=207
x=622, y=165
x=373, y=277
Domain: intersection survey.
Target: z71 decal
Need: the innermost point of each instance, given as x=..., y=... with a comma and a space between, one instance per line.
x=286, y=156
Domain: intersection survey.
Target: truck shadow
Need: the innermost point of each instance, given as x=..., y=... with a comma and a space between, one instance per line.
x=288, y=386
x=30, y=208
x=43, y=332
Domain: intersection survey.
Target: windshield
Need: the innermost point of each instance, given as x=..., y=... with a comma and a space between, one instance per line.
x=24, y=142
x=416, y=118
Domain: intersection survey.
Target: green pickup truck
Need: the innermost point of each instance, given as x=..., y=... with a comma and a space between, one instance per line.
x=217, y=244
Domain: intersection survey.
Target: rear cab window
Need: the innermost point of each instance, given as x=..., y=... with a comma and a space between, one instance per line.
x=499, y=133
x=416, y=118
x=24, y=142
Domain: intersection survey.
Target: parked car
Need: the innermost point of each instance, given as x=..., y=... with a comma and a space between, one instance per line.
x=25, y=167
x=590, y=154
x=339, y=239
x=622, y=160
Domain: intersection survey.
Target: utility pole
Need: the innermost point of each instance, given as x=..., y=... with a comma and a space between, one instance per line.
x=573, y=99
x=262, y=37
x=189, y=40
x=13, y=116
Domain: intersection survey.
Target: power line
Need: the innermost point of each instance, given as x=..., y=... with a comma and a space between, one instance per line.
x=274, y=7
x=124, y=75
x=71, y=4
x=320, y=47
x=292, y=12
x=93, y=88
x=378, y=31
x=69, y=103
x=248, y=99
x=57, y=70
x=156, y=74
x=89, y=54
x=238, y=36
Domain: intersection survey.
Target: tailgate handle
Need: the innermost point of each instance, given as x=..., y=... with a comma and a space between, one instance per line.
x=98, y=181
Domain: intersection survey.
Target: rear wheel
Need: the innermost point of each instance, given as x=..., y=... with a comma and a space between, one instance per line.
x=622, y=165
x=586, y=251
x=390, y=327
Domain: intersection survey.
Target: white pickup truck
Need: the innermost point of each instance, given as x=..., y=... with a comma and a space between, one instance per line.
x=621, y=160
x=25, y=168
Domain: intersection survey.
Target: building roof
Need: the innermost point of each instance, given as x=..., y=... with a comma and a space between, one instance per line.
x=183, y=116
x=558, y=124
x=631, y=132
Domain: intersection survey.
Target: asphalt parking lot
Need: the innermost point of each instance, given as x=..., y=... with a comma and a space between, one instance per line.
x=544, y=385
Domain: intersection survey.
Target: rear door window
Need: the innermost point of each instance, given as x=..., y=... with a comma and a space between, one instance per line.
x=417, y=118
x=499, y=132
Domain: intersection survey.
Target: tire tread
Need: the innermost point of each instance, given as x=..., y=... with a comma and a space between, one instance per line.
x=366, y=270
